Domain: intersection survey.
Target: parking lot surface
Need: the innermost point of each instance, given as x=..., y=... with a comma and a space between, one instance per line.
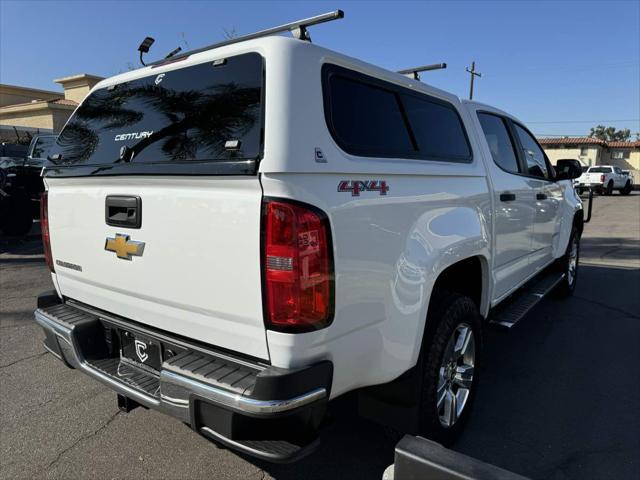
x=558, y=399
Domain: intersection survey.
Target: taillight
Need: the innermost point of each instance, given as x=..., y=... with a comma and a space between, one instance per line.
x=602, y=178
x=44, y=227
x=298, y=266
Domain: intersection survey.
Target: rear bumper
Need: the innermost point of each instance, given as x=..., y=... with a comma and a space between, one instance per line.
x=264, y=411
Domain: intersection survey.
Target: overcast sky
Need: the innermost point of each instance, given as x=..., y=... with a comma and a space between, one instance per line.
x=562, y=67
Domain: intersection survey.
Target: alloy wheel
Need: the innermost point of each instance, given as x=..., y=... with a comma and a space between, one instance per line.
x=572, y=264
x=456, y=375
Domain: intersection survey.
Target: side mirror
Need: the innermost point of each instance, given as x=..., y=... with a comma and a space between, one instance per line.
x=568, y=169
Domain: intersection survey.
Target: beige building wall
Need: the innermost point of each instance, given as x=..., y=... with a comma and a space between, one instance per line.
x=77, y=87
x=12, y=95
x=592, y=154
x=33, y=119
x=29, y=109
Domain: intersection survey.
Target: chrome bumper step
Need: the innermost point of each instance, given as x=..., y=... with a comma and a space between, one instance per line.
x=204, y=389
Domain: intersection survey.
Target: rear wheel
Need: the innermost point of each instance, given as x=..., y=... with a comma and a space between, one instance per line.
x=568, y=265
x=609, y=188
x=450, y=369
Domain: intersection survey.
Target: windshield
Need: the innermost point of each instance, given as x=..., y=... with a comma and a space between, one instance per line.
x=43, y=146
x=206, y=112
x=600, y=170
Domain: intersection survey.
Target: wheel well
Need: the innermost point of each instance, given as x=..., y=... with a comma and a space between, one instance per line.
x=464, y=277
x=578, y=220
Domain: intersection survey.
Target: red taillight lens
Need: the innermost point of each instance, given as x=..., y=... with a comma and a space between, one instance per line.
x=44, y=226
x=602, y=178
x=298, y=267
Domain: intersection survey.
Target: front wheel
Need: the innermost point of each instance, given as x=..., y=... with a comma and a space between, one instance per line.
x=627, y=189
x=568, y=265
x=450, y=369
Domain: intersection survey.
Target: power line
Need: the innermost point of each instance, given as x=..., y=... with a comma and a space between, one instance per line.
x=592, y=121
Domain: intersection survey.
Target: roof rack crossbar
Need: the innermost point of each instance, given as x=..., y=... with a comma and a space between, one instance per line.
x=297, y=28
x=415, y=71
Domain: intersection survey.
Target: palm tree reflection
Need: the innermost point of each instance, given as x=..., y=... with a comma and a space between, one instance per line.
x=190, y=124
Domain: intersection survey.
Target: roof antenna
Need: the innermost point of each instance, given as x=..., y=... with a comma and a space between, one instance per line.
x=144, y=48
x=415, y=72
x=173, y=52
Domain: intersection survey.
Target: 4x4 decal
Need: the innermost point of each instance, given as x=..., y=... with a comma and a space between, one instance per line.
x=357, y=186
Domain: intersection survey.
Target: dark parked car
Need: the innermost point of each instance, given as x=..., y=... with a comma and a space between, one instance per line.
x=21, y=184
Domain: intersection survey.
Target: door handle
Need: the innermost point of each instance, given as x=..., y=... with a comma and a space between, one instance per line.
x=541, y=196
x=123, y=211
x=507, y=197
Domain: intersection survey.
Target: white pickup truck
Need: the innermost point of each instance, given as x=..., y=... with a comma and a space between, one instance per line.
x=240, y=234
x=605, y=179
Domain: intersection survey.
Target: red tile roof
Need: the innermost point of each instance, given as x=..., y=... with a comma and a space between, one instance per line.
x=635, y=144
x=587, y=141
x=571, y=141
x=64, y=101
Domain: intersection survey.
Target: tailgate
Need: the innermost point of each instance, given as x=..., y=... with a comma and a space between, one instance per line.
x=592, y=178
x=198, y=274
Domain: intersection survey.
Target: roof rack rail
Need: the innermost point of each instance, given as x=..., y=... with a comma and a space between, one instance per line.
x=298, y=29
x=415, y=71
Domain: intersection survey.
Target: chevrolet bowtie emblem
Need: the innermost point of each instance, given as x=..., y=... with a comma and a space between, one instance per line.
x=124, y=247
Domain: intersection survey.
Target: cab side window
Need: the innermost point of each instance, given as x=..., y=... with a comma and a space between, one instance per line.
x=534, y=156
x=499, y=141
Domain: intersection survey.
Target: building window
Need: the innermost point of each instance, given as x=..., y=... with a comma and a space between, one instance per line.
x=584, y=151
x=620, y=154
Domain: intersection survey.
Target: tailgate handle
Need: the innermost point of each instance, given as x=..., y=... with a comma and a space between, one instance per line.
x=123, y=211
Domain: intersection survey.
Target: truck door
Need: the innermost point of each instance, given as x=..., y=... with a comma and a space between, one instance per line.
x=514, y=203
x=548, y=196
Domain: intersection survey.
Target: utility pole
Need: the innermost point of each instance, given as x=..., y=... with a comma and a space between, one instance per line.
x=473, y=74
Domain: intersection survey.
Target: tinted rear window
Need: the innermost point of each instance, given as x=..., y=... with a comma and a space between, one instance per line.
x=373, y=118
x=600, y=170
x=437, y=128
x=185, y=115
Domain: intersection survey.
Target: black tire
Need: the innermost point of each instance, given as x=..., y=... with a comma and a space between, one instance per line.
x=567, y=285
x=450, y=311
x=15, y=216
x=609, y=189
x=627, y=188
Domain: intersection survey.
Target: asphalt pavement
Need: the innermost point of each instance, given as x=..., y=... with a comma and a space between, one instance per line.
x=558, y=398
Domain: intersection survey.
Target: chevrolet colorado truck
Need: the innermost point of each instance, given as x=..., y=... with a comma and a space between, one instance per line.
x=241, y=234
x=605, y=179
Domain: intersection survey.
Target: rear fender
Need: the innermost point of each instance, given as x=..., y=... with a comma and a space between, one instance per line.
x=570, y=210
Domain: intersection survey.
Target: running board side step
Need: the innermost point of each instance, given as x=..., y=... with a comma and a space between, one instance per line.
x=513, y=309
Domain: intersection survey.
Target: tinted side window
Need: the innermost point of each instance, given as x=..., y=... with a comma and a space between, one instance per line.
x=533, y=154
x=499, y=141
x=437, y=128
x=367, y=119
